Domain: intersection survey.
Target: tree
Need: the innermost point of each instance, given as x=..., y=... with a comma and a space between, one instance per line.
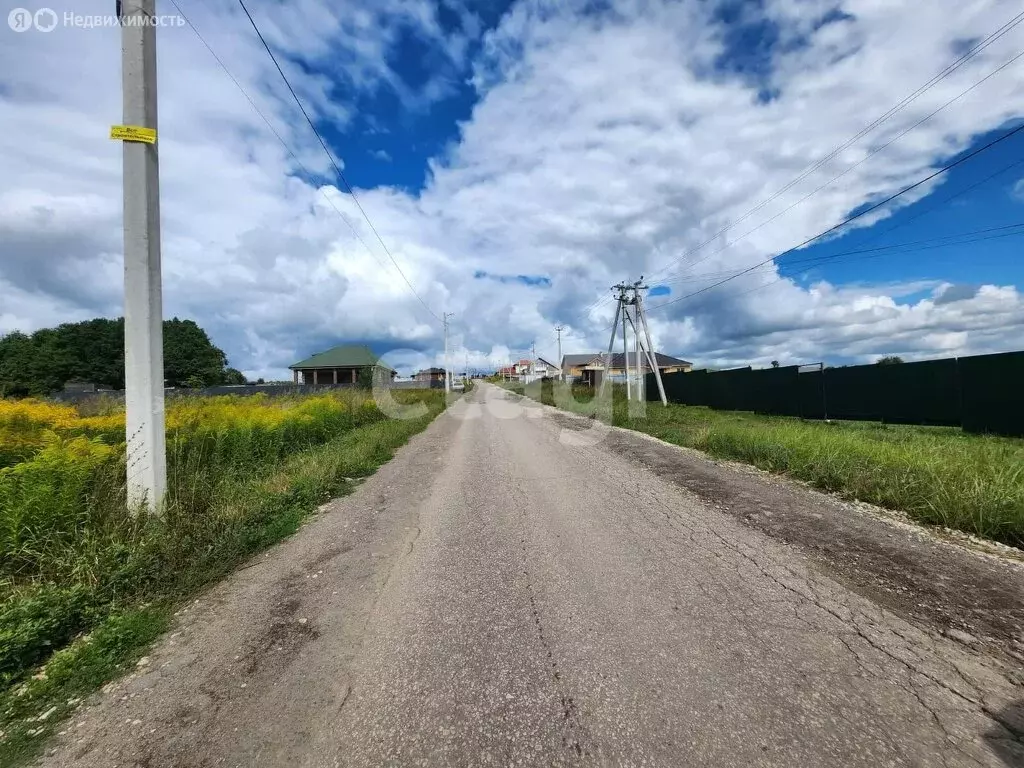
x=889, y=360
x=16, y=359
x=189, y=352
x=195, y=382
x=775, y=363
x=93, y=351
x=234, y=376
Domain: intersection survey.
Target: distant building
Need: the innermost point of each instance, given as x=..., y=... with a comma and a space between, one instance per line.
x=527, y=370
x=589, y=369
x=539, y=368
x=339, y=365
x=572, y=365
x=430, y=374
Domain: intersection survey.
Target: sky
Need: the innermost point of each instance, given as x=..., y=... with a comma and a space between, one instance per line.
x=518, y=158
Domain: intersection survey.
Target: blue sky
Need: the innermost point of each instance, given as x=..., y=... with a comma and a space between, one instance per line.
x=518, y=158
x=391, y=144
x=983, y=197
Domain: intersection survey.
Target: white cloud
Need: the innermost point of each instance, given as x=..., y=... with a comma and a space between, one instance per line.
x=601, y=147
x=1018, y=190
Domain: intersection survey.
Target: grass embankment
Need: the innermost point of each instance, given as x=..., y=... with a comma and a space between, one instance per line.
x=85, y=586
x=937, y=475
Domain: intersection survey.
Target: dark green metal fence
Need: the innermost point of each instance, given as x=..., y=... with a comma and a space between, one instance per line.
x=984, y=393
x=992, y=393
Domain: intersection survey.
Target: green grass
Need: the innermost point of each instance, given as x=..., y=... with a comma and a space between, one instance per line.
x=937, y=475
x=75, y=611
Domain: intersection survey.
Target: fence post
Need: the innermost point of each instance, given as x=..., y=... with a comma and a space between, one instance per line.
x=824, y=393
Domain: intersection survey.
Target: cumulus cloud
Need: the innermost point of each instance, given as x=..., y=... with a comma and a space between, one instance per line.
x=603, y=145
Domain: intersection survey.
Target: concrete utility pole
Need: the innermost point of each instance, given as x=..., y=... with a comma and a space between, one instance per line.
x=630, y=296
x=143, y=305
x=636, y=348
x=561, y=371
x=652, y=355
x=447, y=364
x=625, y=351
x=619, y=304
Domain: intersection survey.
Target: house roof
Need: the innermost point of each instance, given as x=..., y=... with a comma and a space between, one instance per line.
x=431, y=370
x=353, y=356
x=568, y=361
x=664, y=361
x=527, y=363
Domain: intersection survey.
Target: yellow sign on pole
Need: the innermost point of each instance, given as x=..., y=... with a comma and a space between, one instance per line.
x=133, y=133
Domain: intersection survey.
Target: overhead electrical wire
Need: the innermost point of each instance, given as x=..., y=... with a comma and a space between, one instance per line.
x=930, y=208
x=868, y=253
x=859, y=162
x=780, y=278
x=945, y=72
x=905, y=222
x=925, y=245
x=878, y=121
x=277, y=135
x=872, y=253
x=948, y=70
x=853, y=217
x=330, y=156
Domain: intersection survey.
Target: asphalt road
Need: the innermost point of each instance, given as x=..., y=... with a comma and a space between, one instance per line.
x=518, y=588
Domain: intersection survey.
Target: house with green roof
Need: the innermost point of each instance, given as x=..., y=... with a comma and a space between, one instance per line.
x=339, y=365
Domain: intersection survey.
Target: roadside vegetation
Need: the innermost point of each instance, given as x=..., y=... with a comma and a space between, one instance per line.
x=937, y=475
x=85, y=585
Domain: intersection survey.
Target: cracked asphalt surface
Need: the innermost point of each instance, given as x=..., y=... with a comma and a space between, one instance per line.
x=520, y=587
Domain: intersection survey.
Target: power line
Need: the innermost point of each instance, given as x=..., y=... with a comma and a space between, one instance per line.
x=869, y=252
x=946, y=168
x=910, y=219
x=874, y=253
x=969, y=54
x=928, y=244
x=948, y=70
x=277, y=135
x=780, y=278
x=870, y=154
x=882, y=250
x=816, y=260
x=330, y=156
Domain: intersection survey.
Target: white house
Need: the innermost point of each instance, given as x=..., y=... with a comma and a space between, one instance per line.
x=531, y=370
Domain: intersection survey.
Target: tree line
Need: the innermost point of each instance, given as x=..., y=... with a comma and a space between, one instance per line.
x=93, y=351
